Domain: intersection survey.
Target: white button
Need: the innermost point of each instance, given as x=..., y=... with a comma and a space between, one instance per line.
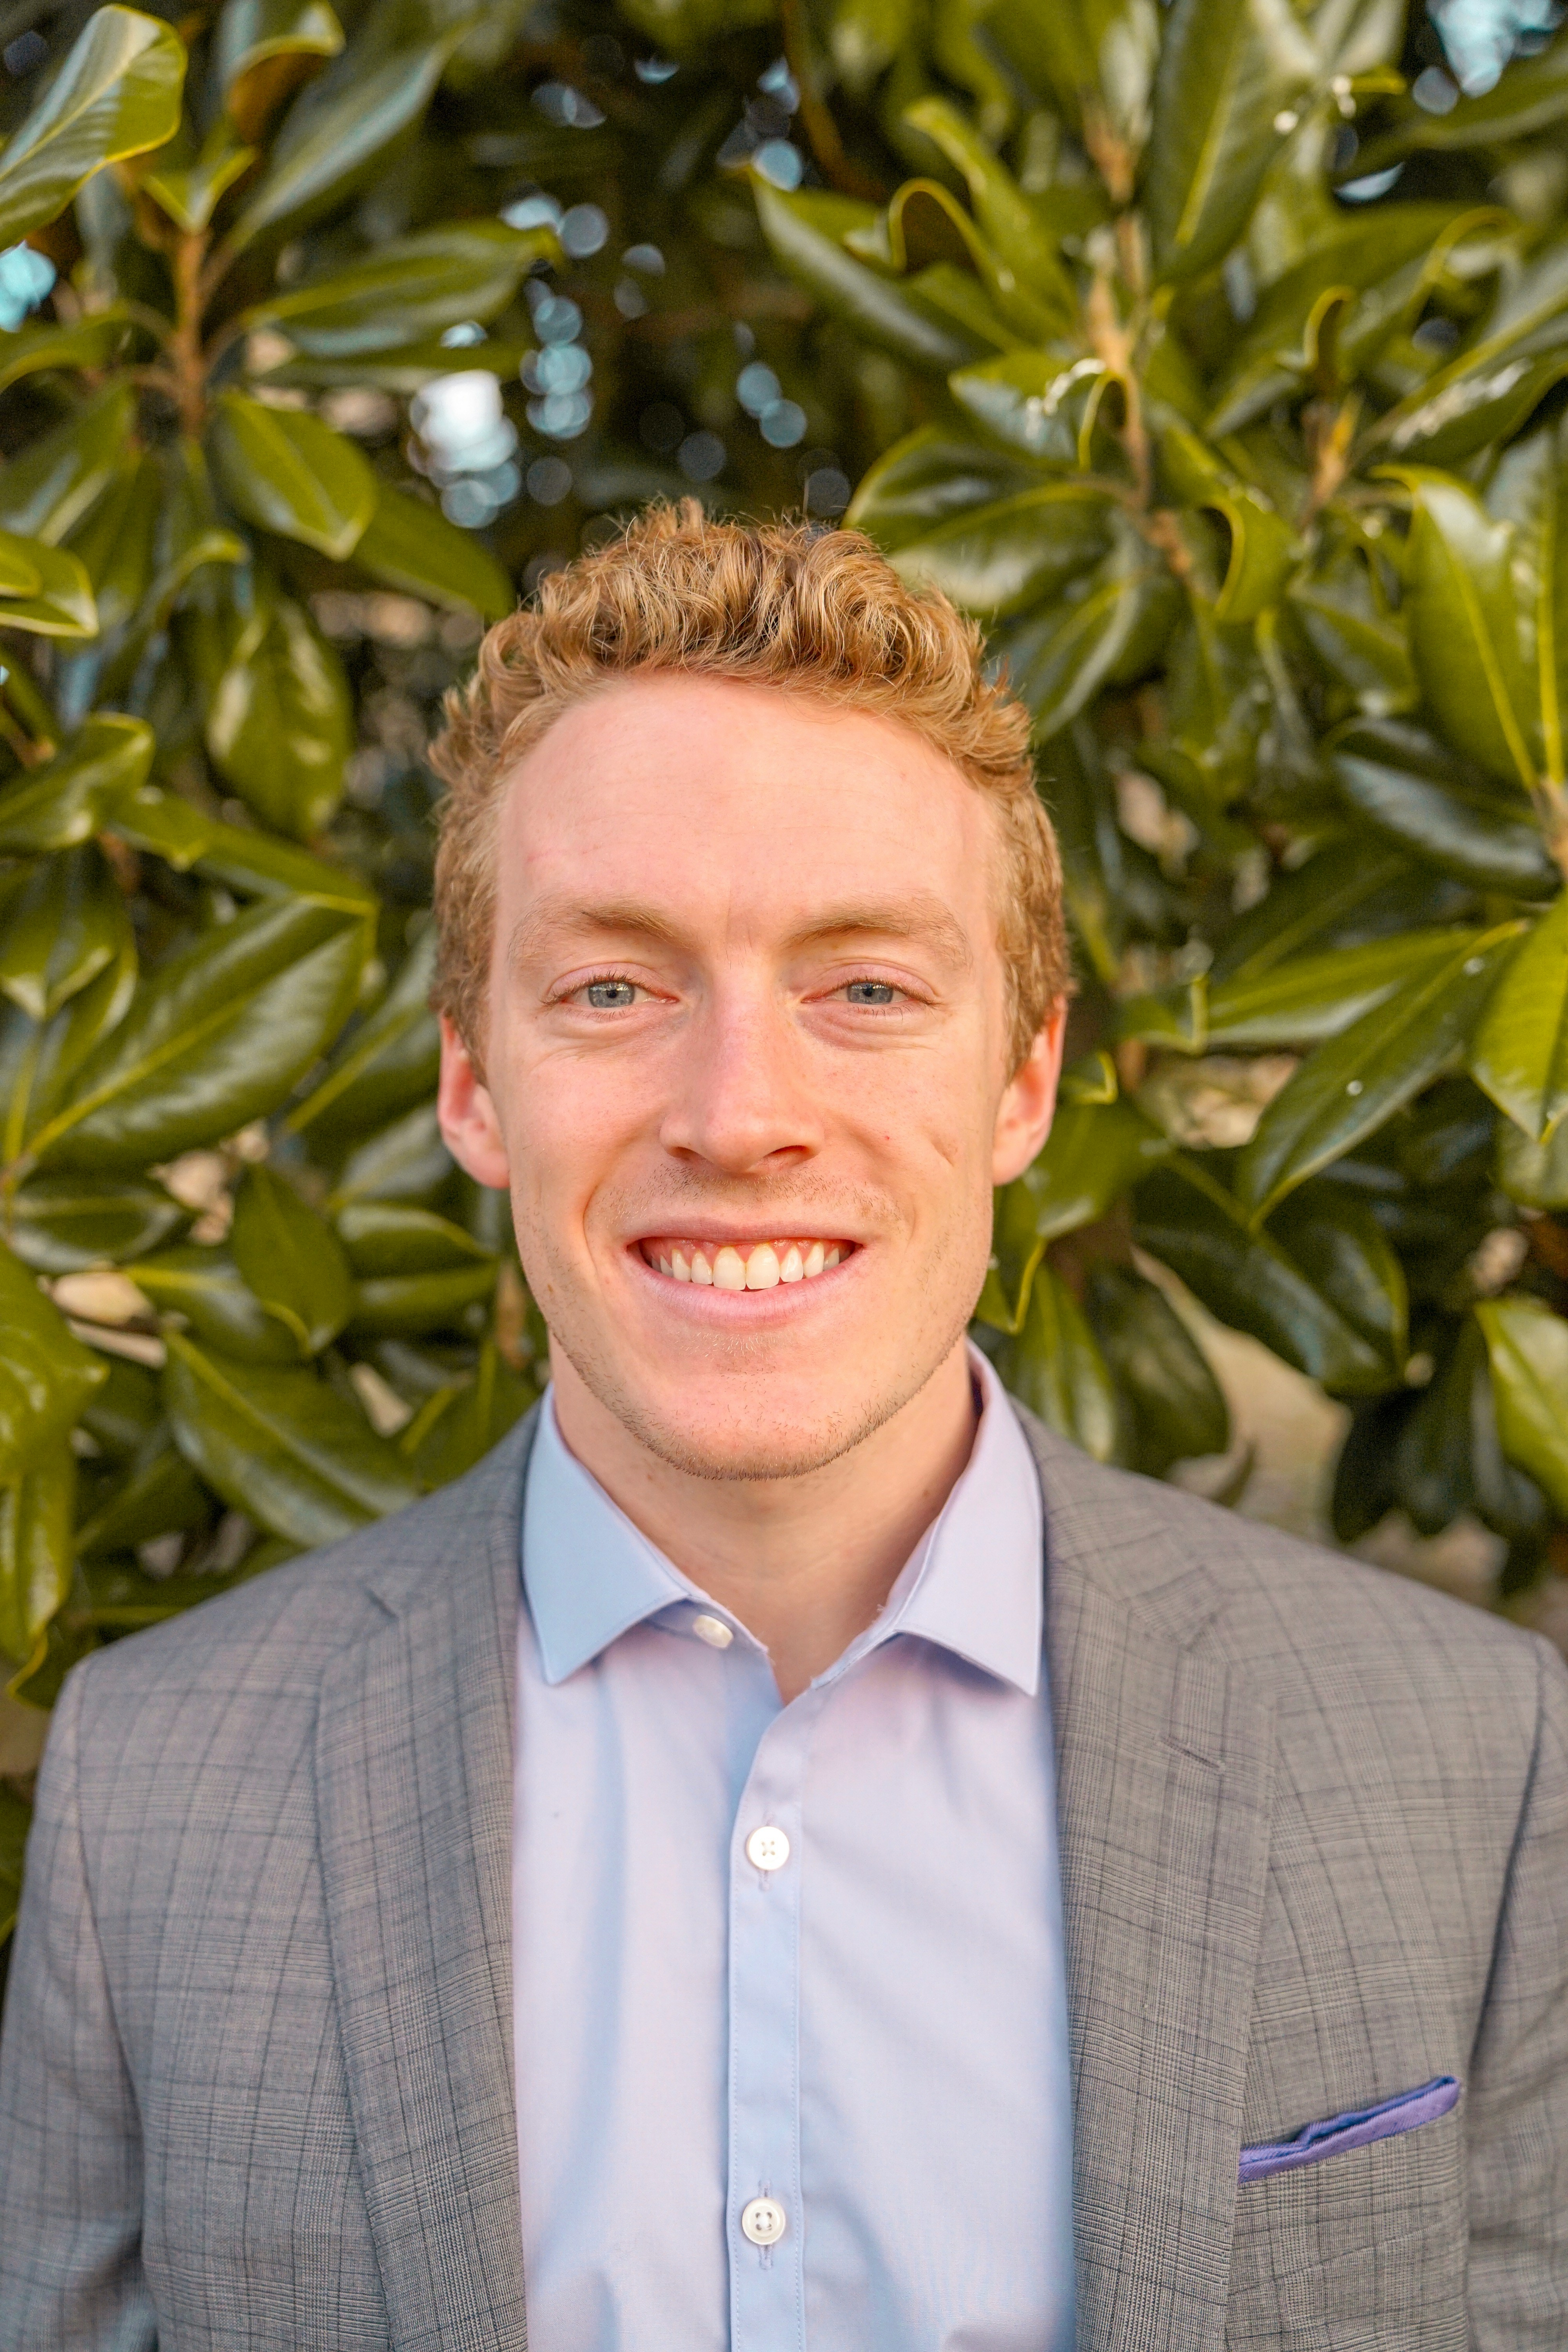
x=713, y=1631
x=763, y=2222
x=767, y=1850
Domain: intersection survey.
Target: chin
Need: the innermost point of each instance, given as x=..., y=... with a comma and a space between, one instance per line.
x=727, y=1425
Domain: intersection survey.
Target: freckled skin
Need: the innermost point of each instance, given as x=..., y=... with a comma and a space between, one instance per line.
x=696, y=881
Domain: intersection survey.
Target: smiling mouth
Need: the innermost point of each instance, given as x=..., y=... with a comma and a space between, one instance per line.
x=746, y=1266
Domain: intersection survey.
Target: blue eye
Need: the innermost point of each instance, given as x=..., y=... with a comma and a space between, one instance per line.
x=870, y=991
x=610, y=995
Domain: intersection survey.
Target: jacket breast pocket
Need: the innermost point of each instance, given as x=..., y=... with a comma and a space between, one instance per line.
x=1361, y=2249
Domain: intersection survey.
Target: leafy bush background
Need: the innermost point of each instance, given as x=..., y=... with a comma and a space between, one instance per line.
x=1213, y=353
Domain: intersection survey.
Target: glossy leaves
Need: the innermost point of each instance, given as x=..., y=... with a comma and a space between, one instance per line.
x=1528, y=1345
x=117, y=94
x=284, y=469
x=281, y=1445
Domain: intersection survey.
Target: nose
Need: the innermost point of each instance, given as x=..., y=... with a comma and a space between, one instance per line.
x=740, y=1099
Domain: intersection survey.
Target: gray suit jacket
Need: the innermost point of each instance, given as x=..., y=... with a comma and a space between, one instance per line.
x=256, y=2086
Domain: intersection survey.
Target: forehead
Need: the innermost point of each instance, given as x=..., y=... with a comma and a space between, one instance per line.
x=715, y=795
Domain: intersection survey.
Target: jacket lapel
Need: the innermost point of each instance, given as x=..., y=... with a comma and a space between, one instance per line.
x=1165, y=1766
x=414, y=1789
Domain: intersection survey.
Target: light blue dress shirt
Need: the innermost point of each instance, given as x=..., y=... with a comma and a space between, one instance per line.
x=859, y=2048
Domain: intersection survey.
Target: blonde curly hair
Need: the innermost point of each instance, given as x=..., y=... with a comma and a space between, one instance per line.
x=780, y=604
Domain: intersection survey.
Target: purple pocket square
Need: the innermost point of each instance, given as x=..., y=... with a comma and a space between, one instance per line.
x=1357, y=2128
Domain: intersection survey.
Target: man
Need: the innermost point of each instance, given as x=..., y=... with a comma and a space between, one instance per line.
x=786, y=1853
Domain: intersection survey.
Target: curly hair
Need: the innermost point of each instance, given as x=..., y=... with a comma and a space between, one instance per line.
x=781, y=604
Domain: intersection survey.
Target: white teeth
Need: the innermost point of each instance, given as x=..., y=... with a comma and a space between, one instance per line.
x=763, y=1267
x=756, y=1265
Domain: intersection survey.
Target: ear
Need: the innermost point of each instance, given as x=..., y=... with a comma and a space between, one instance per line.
x=1028, y=1102
x=469, y=1126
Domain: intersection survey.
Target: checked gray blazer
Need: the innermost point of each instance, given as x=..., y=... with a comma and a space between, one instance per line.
x=257, y=2088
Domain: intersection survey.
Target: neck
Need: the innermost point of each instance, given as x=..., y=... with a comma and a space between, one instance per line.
x=804, y=1563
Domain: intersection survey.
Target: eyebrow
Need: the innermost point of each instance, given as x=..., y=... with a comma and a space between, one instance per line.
x=919, y=915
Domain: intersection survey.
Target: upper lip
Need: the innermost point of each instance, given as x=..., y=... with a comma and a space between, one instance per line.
x=705, y=1230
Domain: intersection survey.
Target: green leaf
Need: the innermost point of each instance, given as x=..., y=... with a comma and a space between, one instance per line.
x=1049, y=410
x=264, y=49
x=47, y=488
x=1232, y=79
x=1346, y=1089
x=1530, y=490
x=1300, y=1001
x=46, y=1375
x=1413, y=789
x=191, y=190
x=279, y=723
x=1360, y=645
x=1161, y=1376
x=928, y=481
x=16, y=1814
x=290, y=1258
x=214, y=1039
x=406, y=1161
x=36, y=1556
x=37, y=1064
x=334, y=130
x=283, y=1446
x=1520, y=1051
x=1534, y=1174
x=59, y=603
x=1329, y=313
x=471, y=1420
x=206, y=1290
x=284, y=469
x=1528, y=1348
x=1263, y=553
x=90, y=343
x=397, y=1304
x=1462, y=405
x=1104, y=626
x=804, y=232
x=1249, y=1280
x=1027, y=252
x=405, y=368
x=61, y=1225
x=1464, y=630
x=252, y=863
x=411, y=546
x=61, y=922
x=389, y=1062
x=385, y=1237
x=415, y=1271
x=160, y=1494
x=117, y=94
x=1094, y=1153
x=413, y=286
x=1055, y=1369
x=1531, y=96
x=997, y=558
x=1349, y=1261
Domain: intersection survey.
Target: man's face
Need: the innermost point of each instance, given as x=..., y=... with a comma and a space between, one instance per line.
x=746, y=1064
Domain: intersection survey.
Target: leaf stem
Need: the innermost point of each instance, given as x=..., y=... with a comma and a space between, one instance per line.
x=186, y=354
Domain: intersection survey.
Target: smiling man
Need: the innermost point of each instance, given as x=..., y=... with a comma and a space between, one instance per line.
x=786, y=1856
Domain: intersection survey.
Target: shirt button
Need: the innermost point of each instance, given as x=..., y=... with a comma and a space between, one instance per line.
x=763, y=2222
x=767, y=1850
x=713, y=1631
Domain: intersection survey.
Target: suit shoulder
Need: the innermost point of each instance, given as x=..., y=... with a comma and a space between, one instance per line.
x=280, y=1629
x=1315, y=1626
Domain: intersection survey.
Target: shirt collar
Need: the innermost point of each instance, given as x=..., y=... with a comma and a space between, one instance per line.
x=973, y=1584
